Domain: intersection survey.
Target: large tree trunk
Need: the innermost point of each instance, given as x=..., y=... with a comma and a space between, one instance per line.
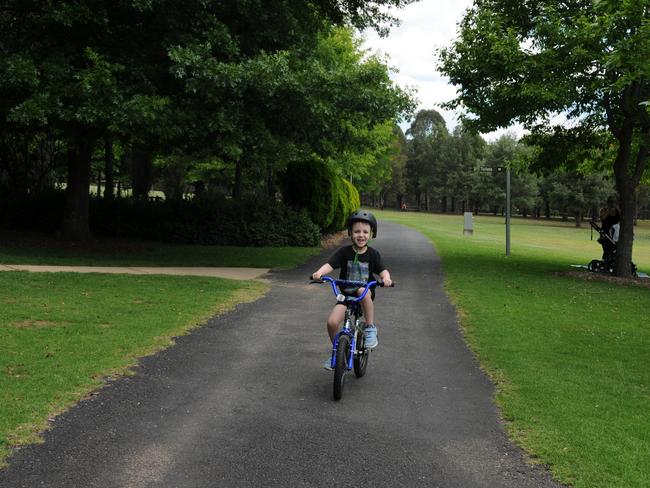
x=75, y=225
x=578, y=219
x=628, y=171
x=628, y=167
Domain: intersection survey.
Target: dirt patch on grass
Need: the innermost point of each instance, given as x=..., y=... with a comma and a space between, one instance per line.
x=35, y=324
x=617, y=280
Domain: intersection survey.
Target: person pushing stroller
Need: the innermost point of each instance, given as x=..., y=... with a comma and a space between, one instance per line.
x=610, y=218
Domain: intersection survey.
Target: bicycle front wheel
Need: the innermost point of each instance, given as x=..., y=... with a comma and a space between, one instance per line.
x=360, y=360
x=342, y=356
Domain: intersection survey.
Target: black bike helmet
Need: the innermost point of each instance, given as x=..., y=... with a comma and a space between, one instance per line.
x=363, y=216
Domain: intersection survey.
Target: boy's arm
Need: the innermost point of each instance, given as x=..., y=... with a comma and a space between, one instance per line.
x=385, y=277
x=323, y=270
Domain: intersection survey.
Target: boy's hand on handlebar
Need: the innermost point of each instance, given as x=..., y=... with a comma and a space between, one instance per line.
x=387, y=283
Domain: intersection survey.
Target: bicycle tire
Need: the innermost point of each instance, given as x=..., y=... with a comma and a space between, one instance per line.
x=360, y=360
x=342, y=355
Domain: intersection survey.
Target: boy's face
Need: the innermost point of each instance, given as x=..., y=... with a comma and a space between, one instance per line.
x=361, y=233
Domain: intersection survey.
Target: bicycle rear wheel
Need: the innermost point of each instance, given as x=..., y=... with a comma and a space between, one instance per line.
x=361, y=359
x=342, y=356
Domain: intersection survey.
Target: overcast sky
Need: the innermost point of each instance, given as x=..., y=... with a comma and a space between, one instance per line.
x=426, y=26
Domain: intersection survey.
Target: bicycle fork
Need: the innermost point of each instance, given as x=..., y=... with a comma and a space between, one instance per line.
x=347, y=330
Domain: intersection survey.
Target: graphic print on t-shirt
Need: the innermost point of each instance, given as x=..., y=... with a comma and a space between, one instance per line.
x=358, y=271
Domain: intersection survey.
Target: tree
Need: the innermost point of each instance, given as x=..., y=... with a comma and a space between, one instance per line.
x=586, y=61
x=574, y=194
x=579, y=179
x=461, y=155
x=399, y=155
x=427, y=133
x=159, y=75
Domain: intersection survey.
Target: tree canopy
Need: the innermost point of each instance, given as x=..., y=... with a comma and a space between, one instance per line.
x=250, y=83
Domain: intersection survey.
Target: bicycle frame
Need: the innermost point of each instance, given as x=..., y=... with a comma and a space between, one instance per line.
x=352, y=315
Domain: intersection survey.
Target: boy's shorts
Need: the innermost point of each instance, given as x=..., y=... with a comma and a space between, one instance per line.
x=352, y=292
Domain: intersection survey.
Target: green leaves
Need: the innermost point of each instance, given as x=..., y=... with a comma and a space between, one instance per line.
x=233, y=90
x=18, y=71
x=526, y=61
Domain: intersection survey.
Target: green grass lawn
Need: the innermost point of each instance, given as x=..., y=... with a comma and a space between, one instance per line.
x=569, y=356
x=61, y=334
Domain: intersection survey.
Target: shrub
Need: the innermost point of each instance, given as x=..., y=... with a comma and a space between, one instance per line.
x=42, y=212
x=206, y=220
x=347, y=201
x=310, y=185
x=353, y=196
x=341, y=208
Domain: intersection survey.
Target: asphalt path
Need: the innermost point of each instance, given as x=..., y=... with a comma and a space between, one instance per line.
x=244, y=401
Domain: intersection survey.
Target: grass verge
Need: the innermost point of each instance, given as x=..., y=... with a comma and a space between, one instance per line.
x=62, y=334
x=569, y=356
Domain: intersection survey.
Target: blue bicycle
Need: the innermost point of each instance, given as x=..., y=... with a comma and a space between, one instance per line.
x=349, y=351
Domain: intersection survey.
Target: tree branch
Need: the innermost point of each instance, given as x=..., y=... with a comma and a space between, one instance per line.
x=610, y=116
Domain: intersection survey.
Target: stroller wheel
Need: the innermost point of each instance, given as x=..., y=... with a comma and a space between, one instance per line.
x=595, y=265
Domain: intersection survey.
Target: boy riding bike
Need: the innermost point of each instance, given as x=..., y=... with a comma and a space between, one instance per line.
x=357, y=262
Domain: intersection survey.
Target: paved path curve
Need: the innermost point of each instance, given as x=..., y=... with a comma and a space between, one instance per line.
x=243, y=401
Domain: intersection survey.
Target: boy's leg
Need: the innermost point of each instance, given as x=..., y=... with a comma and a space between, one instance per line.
x=369, y=312
x=333, y=325
x=368, y=308
x=334, y=320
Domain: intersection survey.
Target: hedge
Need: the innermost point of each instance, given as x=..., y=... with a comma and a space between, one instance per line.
x=208, y=220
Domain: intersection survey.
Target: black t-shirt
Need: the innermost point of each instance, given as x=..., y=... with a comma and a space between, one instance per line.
x=357, y=267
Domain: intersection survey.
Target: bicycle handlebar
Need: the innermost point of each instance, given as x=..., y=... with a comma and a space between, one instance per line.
x=361, y=284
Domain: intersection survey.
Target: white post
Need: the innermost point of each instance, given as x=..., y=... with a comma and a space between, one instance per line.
x=468, y=227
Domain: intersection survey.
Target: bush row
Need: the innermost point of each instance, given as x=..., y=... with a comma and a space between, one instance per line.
x=207, y=220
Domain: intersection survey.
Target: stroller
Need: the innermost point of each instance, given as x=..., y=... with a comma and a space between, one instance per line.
x=608, y=240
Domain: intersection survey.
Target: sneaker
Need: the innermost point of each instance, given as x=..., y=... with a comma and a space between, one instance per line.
x=370, y=334
x=328, y=364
